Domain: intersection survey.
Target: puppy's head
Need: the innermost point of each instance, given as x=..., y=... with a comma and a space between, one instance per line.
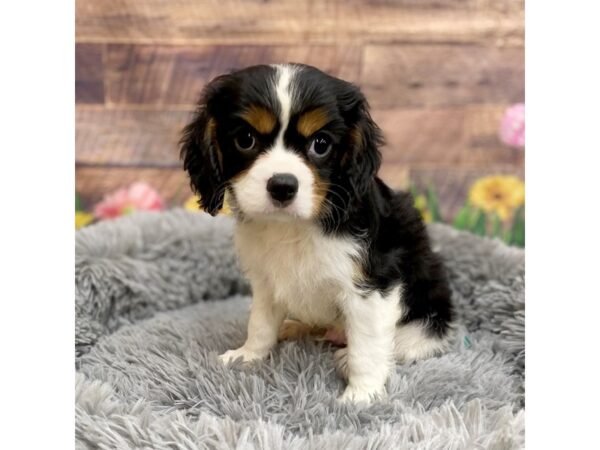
x=286, y=142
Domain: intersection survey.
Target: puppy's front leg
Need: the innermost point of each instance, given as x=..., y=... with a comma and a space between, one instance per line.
x=265, y=319
x=370, y=330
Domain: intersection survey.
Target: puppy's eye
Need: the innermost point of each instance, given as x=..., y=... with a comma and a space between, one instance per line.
x=320, y=145
x=244, y=141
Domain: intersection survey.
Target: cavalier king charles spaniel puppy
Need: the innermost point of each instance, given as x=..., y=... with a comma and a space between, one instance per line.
x=321, y=238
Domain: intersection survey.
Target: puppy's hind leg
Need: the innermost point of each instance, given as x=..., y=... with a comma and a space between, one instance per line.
x=414, y=341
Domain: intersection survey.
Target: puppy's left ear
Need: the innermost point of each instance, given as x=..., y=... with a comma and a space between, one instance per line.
x=365, y=139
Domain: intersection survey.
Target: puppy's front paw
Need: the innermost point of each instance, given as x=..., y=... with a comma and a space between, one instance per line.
x=357, y=395
x=247, y=356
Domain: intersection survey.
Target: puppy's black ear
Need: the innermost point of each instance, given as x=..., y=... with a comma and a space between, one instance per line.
x=202, y=157
x=364, y=158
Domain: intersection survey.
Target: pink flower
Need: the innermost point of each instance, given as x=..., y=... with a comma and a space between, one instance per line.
x=512, y=126
x=137, y=197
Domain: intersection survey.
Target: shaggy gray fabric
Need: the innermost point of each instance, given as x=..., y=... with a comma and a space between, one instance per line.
x=158, y=297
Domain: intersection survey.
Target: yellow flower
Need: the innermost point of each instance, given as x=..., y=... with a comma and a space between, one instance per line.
x=421, y=205
x=421, y=202
x=500, y=194
x=426, y=215
x=191, y=204
x=82, y=219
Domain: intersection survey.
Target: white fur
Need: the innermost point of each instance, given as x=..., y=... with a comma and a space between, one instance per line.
x=284, y=89
x=307, y=272
x=370, y=327
x=251, y=188
x=413, y=343
x=296, y=271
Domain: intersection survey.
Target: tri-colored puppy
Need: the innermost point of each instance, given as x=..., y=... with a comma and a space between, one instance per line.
x=321, y=238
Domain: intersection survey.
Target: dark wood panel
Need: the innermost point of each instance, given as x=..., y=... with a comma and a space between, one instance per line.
x=130, y=137
x=426, y=76
x=93, y=183
x=497, y=22
x=175, y=75
x=89, y=73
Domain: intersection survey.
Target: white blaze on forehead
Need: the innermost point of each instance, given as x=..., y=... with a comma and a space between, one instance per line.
x=284, y=91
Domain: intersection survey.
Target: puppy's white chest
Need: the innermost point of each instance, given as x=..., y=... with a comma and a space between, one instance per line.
x=304, y=270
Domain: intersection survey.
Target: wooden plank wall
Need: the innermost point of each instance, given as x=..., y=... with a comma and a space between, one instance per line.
x=438, y=75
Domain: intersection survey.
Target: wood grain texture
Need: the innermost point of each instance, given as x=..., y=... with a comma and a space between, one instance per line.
x=498, y=22
x=175, y=75
x=391, y=76
x=425, y=76
x=89, y=73
x=463, y=137
x=93, y=183
x=130, y=137
x=438, y=74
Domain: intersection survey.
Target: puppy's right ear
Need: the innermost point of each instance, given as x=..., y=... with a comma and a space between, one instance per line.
x=203, y=161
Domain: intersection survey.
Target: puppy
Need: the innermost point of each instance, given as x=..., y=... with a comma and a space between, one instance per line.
x=321, y=238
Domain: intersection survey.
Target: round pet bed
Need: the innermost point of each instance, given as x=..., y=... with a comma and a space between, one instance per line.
x=159, y=296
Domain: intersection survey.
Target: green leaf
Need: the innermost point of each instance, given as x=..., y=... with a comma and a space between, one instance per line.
x=518, y=228
x=78, y=206
x=472, y=218
x=462, y=217
x=433, y=205
x=496, y=226
x=479, y=225
x=413, y=190
x=507, y=235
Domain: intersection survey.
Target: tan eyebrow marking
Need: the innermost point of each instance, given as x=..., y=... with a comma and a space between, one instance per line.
x=312, y=121
x=262, y=120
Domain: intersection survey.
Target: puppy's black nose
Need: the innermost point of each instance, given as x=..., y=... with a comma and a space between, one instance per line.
x=283, y=188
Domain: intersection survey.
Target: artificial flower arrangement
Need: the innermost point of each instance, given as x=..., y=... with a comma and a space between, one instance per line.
x=495, y=205
x=138, y=196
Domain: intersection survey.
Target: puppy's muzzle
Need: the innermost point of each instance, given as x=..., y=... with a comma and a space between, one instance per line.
x=282, y=188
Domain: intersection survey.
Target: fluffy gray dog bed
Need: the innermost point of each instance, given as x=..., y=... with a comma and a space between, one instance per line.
x=159, y=296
